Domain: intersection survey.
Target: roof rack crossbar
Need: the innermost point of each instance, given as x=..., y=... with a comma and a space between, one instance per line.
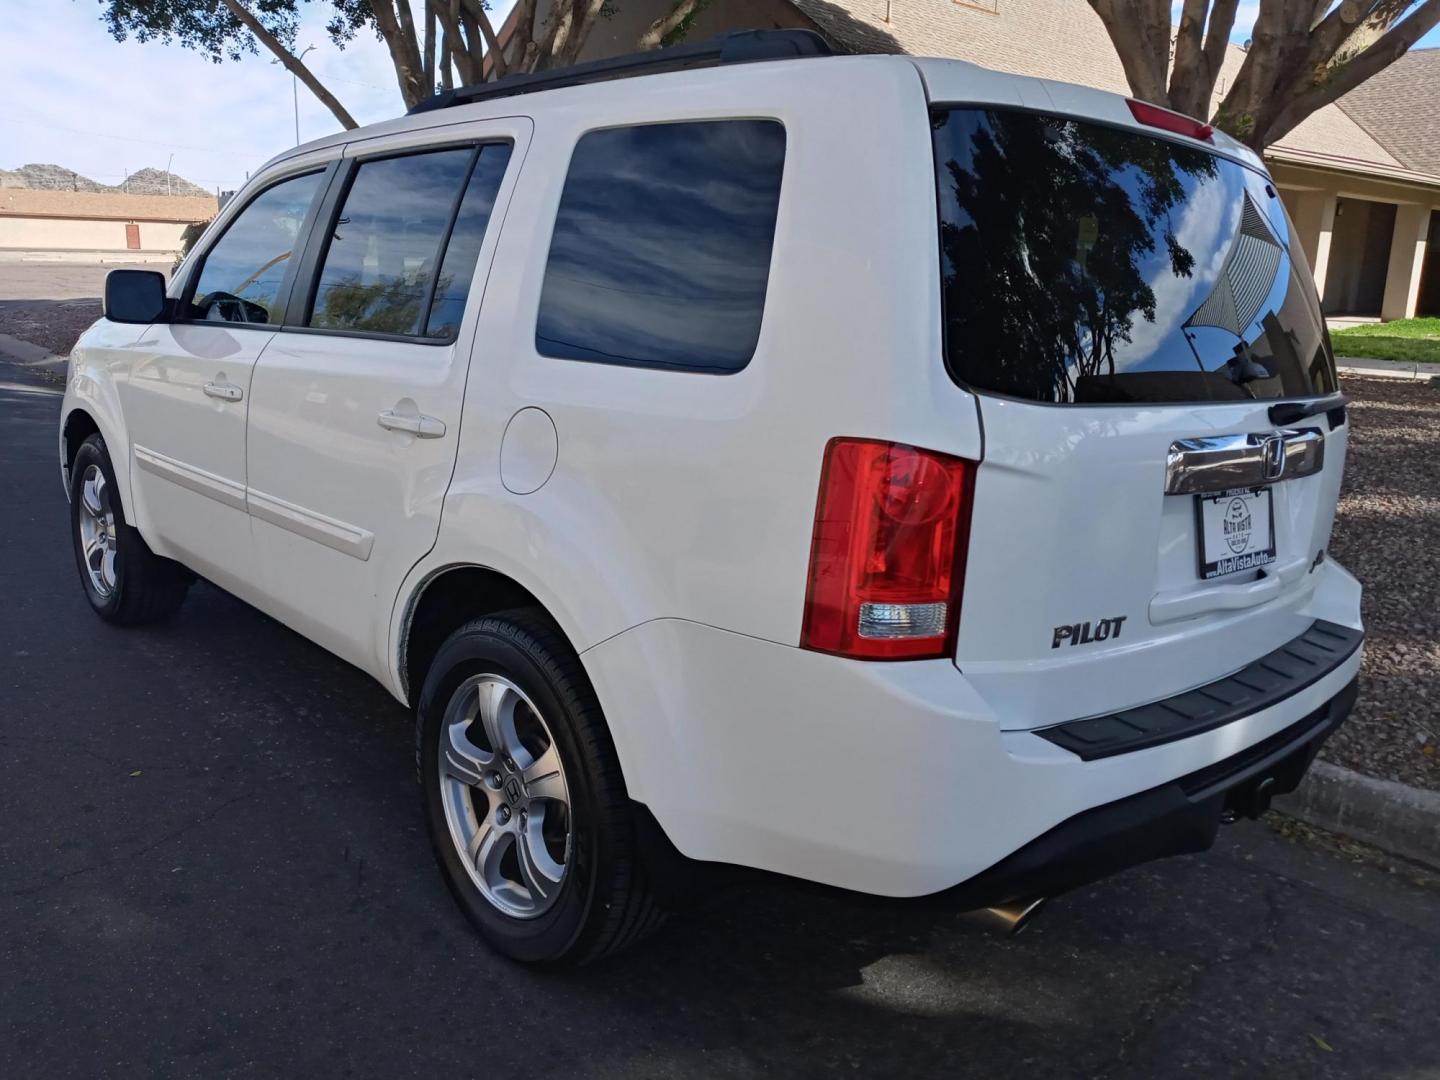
x=745, y=46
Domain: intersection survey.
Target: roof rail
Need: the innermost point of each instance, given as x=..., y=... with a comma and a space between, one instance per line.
x=742, y=47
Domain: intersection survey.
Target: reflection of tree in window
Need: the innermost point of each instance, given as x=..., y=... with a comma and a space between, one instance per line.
x=1044, y=261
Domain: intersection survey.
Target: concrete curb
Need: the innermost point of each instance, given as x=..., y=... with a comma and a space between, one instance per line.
x=1387, y=369
x=1397, y=818
x=26, y=354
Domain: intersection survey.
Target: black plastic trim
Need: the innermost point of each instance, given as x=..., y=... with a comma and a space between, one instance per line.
x=1177, y=818
x=1268, y=681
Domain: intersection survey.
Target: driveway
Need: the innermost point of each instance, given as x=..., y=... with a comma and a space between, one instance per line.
x=212, y=863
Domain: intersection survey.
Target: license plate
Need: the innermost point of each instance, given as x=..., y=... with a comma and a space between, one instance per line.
x=1237, y=531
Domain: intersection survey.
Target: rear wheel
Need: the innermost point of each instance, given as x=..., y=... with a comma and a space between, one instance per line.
x=523, y=797
x=124, y=580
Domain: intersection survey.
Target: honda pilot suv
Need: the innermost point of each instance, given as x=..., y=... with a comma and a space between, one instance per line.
x=878, y=471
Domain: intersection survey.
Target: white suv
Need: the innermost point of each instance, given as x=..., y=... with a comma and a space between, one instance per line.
x=879, y=471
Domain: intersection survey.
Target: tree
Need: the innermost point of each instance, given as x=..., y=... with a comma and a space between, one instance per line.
x=1303, y=54
x=451, y=40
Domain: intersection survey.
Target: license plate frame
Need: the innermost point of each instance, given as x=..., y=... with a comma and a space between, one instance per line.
x=1234, y=531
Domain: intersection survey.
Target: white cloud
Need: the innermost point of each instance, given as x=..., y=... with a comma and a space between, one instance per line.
x=76, y=97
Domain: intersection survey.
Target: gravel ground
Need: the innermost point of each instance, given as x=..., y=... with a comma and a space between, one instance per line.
x=52, y=304
x=1387, y=532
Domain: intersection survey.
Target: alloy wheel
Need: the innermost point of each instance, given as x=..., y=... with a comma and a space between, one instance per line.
x=506, y=801
x=97, y=531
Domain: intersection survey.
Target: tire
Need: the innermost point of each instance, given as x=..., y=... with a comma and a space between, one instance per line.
x=522, y=665
x=125, y=582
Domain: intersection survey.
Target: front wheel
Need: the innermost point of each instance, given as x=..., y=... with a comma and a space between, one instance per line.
x=523, y=797
x=124, y=580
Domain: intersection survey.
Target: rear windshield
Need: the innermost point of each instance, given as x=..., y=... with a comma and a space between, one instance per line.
x=1088, y=264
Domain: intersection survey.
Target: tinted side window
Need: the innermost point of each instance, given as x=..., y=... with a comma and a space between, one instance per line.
x=661, y=251
x=242, y=274
x=457, y=269
x=385, y=244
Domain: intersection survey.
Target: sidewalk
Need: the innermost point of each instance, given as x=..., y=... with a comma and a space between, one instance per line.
x=89, y=258
x=1386, y=369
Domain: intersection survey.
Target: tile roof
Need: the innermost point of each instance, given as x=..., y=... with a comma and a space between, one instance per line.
x=1062, y=40
x=106, y=205
x=1401, y=107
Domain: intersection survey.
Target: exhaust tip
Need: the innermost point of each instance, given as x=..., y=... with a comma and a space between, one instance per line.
x=1010, y=919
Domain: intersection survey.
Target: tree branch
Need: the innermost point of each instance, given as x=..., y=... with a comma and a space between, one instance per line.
x=292, y=63
x=403, y=55
x=492, y=43
x=1340, y=79
x=665, y=25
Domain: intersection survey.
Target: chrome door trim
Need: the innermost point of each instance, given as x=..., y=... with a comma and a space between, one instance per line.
x=1222, y=462
x=227, y=492
x=341, y=536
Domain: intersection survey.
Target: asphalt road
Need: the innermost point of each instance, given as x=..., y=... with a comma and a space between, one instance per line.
x=212, y=863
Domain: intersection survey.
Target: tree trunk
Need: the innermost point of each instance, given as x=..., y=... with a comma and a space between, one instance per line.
x=1140, y=30
x=403, y=49
x=292, y=63
x=492, y=44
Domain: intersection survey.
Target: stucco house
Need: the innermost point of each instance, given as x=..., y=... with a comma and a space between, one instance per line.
x=1361, y=178
x=41, y=220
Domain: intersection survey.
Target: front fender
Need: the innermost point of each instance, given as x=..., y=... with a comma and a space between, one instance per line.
x=98, y=363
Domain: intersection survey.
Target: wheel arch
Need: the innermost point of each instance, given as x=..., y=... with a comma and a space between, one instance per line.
x=443, y=601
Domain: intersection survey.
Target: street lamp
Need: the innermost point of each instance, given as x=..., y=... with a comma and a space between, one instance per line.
x=295, y=91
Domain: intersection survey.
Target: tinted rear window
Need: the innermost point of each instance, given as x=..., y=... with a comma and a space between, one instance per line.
x=661, y=250
x=1089, y=264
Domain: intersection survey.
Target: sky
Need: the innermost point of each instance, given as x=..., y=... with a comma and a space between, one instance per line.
x=75, y=97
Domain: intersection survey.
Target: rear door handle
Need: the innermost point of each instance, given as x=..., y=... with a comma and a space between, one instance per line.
x=224, y=391
x=421, y=426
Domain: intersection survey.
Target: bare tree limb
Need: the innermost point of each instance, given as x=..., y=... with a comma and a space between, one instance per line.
x=292, y=63
x=1340, y=79
x=492, y=43
x=665, y=25
x=404, y=56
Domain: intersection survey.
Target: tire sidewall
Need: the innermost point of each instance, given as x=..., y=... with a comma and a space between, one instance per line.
x=499, y=648
x=93, y=452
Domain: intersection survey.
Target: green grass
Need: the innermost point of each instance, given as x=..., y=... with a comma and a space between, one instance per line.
x=1408, y=340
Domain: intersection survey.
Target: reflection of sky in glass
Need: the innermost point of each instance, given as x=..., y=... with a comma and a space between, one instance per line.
x=458, y=268
x=385, y=241
x=661, y=249
x=251, y=258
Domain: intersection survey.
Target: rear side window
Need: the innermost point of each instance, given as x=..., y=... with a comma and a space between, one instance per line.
x=661, y=250
x=241, y=278
x=1089, y=264
x=387, y=268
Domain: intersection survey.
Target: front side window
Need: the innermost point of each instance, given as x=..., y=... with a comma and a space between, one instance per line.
x=1088, y=264
x=242, y=277
x=385, y=249
x=661, y=250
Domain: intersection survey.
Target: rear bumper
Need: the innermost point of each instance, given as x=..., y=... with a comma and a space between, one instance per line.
x=1177, y=818
x=901, y=780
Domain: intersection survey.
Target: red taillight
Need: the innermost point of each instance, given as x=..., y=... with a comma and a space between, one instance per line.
x=1166, y=120
x=888, y=557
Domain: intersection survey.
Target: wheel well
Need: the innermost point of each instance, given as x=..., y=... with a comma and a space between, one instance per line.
x=448, y=601
x=79, y=426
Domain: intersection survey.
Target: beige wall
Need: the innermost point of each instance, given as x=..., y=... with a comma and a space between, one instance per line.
x=1336, y=256
x=84, y=234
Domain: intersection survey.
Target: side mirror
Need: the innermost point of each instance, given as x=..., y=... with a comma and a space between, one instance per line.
x=135, y=296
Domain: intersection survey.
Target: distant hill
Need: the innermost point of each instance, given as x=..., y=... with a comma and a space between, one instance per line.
x=148, y=181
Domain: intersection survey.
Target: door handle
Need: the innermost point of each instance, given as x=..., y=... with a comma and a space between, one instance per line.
x=224, y=391
x=421, y=426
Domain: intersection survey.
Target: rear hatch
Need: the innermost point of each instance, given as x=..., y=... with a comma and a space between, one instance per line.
x=1129, y=305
